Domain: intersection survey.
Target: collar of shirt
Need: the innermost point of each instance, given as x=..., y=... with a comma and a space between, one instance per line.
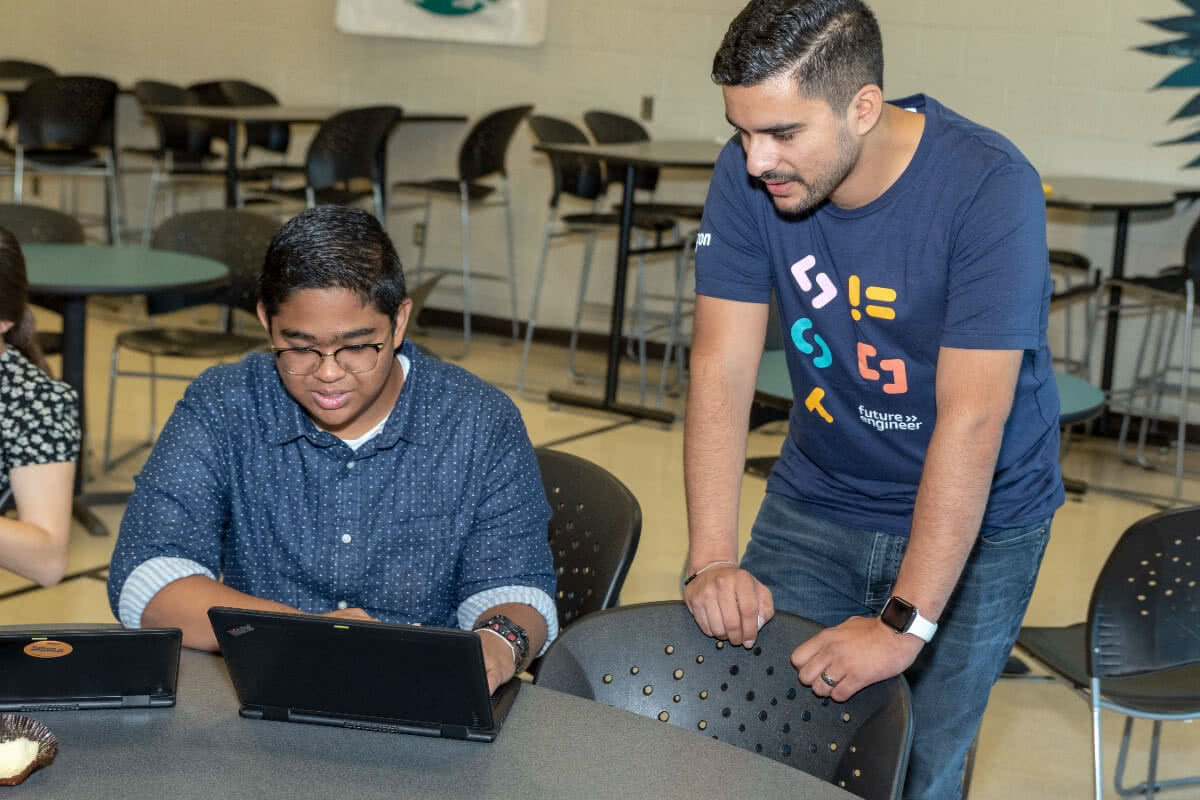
x=284, y=420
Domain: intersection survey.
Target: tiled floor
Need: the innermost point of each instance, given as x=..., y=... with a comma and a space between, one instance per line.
x=1035, y=741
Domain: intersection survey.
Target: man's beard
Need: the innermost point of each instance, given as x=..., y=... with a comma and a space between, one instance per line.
x=823, y=184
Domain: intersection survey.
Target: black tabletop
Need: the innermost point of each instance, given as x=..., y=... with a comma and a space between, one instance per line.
x=685, y=153
x=1108, y=194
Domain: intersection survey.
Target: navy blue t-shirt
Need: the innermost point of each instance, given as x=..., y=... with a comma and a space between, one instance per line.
x=953, y=254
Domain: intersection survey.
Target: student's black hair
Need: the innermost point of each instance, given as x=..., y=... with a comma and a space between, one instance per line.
x=830, y=48
x=333, y=247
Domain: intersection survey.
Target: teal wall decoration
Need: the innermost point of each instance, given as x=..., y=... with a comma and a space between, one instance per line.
x=453, y=8
x=1187, y=76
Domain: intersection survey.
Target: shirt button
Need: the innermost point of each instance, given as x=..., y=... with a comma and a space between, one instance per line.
x=343, y=605
x=346, y=538
x=349, y=465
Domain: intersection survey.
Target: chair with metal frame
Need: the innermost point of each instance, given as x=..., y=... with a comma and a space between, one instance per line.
x=348, y=149
x=1138, y=654
x=184, y=155
x=235, y=237
x=482, y=155
x=16, y=68
x=66, y=127
x=37, y=225
x=653, y=660
x=582, y=178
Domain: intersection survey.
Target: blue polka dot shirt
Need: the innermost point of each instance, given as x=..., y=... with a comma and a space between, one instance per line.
x=437, y=518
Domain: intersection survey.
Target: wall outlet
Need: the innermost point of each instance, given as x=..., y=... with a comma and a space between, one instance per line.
x=419, y=234
x=648, y=107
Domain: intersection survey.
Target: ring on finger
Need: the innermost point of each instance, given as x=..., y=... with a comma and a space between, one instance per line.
x=830, y=682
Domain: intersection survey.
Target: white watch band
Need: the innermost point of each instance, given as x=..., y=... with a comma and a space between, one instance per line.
x=922, y=628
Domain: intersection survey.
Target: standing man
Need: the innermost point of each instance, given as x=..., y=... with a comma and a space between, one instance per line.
x=906, y=247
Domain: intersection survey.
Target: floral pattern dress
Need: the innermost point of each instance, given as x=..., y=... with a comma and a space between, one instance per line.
x=39, y=417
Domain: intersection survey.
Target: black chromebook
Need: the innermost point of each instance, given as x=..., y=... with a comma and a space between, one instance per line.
x=71, y=667
x=357, y=674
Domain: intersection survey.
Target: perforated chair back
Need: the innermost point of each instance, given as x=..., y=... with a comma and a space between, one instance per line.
x=486, y=145
x=237, y=238
x=652, y=660
x=348, y=146
x=179, y=136
x=38, y=225
x=594, y=529
x=574, y=175
x=15, y=68
x=67, y=113
x=609, y=128
x=1145, y=607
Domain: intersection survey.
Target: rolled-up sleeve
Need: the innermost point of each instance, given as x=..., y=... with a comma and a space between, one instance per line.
x=175, y=520
x=507, y=556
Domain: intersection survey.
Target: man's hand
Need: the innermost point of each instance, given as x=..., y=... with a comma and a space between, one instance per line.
x=859, y=652
x=349, y=613
x=498, y=658
x=729, y=603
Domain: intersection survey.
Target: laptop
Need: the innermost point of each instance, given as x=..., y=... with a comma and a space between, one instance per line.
x=357, y=674
x=72, y=667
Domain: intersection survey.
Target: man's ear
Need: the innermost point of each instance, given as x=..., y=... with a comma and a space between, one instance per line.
x=263, y=318
x=402, y=319
x=865, y=109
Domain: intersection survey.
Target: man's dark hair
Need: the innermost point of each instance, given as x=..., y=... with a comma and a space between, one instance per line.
x=333, y=247
x=831, y=48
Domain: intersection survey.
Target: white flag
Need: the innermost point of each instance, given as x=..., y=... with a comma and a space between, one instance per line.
x=514, y=22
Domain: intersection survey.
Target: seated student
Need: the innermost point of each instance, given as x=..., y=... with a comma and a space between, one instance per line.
x=346, y=473
x=39, y=436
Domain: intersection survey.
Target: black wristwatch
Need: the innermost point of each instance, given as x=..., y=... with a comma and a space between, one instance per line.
x=903, y=617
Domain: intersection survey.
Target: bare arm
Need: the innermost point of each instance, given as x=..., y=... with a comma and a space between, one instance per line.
x=974, y=396
x=726, y=348
x=497, y=655
x=35, y=543
x=184, y=604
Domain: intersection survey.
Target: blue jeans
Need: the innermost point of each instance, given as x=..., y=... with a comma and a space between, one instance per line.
x=829, y=572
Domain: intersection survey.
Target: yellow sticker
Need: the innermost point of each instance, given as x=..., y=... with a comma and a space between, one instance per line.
x=48, y=649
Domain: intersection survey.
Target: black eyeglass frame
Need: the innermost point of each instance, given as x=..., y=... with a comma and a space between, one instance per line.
x=378, y=346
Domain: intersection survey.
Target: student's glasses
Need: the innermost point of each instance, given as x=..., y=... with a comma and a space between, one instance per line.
x=352, y=358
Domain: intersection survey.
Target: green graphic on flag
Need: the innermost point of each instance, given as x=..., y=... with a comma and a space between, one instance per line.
x=453, y=8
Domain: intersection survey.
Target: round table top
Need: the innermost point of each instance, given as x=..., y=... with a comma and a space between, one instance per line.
x=80, y=270
x=1108, y=194
x=1078, y=400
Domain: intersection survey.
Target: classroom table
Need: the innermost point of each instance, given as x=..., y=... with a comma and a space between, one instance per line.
x=74, y=272
x=662, y=153
x=1123, y=197
x=552, y=745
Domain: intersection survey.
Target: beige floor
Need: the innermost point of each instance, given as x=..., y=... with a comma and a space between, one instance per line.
x=1035, y=741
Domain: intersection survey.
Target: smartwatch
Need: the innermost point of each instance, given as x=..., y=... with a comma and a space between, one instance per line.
x=903, y=617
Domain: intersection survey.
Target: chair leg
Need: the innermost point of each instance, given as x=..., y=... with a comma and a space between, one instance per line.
x=112, y=180
x=19, y=176
x=1184, y=377
x=420, y=268
x=1097, y=758
x=589, y=248
x=639, y=320
x=537, y=295
x=465, y=208
x=151, y=195
x=512, y=258
x=112, y=393
x=380, y=212
x=674, y=332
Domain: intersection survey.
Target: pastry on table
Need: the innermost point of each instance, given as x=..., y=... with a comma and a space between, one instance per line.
x=25, y=745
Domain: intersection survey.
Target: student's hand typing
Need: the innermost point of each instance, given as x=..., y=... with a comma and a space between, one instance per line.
x=498, y=658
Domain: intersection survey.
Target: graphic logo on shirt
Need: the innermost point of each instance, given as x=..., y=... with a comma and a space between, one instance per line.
x=703, y=239
x=801, y=327
x=880, y=294
x=899, y=382
x=885, y=421
x=828, y=289
x=813, y=403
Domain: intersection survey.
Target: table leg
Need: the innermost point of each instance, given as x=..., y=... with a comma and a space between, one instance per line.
x=616, y=327
x=1114, y=299
x=231, y=168
x=74, y=313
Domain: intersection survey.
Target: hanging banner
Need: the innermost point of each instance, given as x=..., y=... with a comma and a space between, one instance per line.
x=512, y=22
